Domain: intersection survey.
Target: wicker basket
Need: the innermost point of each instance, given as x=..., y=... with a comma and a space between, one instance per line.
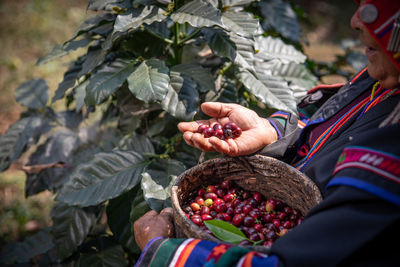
x=269, y=176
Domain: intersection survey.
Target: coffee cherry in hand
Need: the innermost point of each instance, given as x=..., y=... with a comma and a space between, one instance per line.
x=229, y=130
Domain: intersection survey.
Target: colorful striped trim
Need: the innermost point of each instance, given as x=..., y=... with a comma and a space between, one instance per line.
x=276, y=128
x=183, y=252
x=358, y=75
x=146, y=248
x=370, y=188
x=366, y=104
x=280, y=114
x=381, y=163
x=301, y=124
x=255, y=258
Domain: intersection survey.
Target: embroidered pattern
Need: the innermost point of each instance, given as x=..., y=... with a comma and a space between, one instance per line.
x=378, y=162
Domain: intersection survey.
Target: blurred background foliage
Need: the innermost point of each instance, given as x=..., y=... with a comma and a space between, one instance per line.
x=31, y=28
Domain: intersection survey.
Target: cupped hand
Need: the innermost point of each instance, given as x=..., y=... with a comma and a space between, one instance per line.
x=257, y=132
x=152, y=225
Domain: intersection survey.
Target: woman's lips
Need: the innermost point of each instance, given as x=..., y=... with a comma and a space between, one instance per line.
x=369, y=52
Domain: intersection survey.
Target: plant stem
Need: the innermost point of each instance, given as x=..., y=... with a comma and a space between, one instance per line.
x=168, y=41
x=177, y=47
x=181, y=42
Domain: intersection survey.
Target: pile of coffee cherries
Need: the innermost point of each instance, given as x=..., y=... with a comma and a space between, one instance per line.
x=229, y=130
x=260, y=219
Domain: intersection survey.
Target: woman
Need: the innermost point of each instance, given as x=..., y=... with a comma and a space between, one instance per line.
x=349, y=147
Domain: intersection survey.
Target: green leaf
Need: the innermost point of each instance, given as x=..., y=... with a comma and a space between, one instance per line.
x=59, y=147
x=136, y=142
x=241, y=23
x=300, y=79
x=22, y=252
x=137, y=17
x=107, y=79
x=157, y=182
x=280, y=16
x=94, y=57
x=274, y=48
x=71, y=226
x=64, y=49
x=32, y=94
x=118, y=218
x=149, y=82
x=182, y=98
x=70, y=78
x=80, y=94
x=18, y=137
x=199, y=14
x=225, y=231
x=268, y=89
x=238, y=49
x=106, y=176
x=102, y=252
x=200, y=75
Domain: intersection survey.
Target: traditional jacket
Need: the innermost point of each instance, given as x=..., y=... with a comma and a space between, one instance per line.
x=354, y=158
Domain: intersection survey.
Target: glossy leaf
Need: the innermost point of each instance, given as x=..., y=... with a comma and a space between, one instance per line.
x=32, y=94
x=225, y=231
x=108, y=79
x=200, y=75
x=149, y=82
x=241, y=23
x=137, y=17
x=238, y=49
x=106, y=176
x=181, y=100
x=71, y=226
x=157, y=182
x=199, y=14
x=273, y=48
x=264, y=87
x=22, y=252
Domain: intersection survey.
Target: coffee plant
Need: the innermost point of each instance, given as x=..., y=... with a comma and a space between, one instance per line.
x=113, y=153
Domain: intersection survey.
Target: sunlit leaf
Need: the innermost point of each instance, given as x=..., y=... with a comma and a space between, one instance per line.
x=225, y=231
x=149, y=82
x=157, y=182
x=242, y=23
x=198, y=14
x=274, y=48
x=137, y=17
x=70, y=78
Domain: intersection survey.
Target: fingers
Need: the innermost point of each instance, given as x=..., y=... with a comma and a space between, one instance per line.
x=197, y=140
x=217, y=109
x=227, y=146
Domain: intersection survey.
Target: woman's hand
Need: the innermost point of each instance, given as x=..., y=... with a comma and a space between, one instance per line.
x=152, y=225
x=257, y=132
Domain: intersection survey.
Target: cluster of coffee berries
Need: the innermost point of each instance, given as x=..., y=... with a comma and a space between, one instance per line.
x=260, y=219
x=229, y=130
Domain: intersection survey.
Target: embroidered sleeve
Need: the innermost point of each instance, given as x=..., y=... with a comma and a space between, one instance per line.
x=194, y=252
x=371, y=170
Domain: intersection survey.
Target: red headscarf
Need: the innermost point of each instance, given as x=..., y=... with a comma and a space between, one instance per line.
x=382, y=19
